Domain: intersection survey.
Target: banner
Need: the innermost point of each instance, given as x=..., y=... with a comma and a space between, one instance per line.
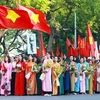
x=96, y=51
x=31, y=43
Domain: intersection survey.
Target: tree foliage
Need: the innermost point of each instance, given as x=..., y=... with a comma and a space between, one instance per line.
x=60, y=14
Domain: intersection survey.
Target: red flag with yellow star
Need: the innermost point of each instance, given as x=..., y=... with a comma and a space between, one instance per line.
x=11, y=18
x=37, y=18
x=91, y=41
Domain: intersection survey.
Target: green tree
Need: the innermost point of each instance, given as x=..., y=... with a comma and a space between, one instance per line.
x=60, y=14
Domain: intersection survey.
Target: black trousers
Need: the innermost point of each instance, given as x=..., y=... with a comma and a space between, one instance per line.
x=13, y=83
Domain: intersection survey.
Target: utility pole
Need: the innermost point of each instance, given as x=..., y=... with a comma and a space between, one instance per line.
x=75, y=34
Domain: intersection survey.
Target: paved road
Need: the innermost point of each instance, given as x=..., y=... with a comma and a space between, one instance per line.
x=65, y=97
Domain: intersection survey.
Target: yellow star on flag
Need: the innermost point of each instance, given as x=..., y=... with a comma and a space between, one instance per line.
x=35, y=18
x=12, y=15
x=91, y=40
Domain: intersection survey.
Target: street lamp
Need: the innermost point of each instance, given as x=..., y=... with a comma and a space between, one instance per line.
x=65, y=29
x=75, y=34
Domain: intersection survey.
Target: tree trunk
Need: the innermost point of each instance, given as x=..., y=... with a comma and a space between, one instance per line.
x=50, y=41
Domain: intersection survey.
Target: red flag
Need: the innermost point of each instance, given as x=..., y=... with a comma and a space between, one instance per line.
x=37, y=18
x=73, y=43
x=68, y=43
x=52, y=53
x=87, y=53
x=42, y=48
x=83, y=47
x=91, y=41
x=79, y=41
x=37, y=52
x=61, y=55
x=57, y=51
x=18, y=19
x=73, y=52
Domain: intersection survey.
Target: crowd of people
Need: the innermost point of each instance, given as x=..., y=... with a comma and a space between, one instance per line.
x=49, y=75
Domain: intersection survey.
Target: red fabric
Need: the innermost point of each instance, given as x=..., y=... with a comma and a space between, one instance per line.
x=73, y=52
x=94, y=79
x=37, y=52
x=73, y=43
x=61, y=55
x=42, y=24
x=42, y=48
x=84, y=52
x=83, y=47
x=91, y=41
x=20, y=81
x=23, y=22
x=87, y=49
x=81, y=42
x=68, y=43
x=52, y=53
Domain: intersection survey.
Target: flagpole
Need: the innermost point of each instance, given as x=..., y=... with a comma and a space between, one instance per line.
x=75, y=34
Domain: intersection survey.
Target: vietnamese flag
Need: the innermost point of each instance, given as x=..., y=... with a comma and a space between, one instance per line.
x=18, y=19
x=38, y=19
x=91, y=41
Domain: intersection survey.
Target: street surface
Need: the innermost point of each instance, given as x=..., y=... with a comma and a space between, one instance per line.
x=64, y=97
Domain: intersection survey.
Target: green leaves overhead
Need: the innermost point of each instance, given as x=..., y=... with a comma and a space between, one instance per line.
x=60, y=14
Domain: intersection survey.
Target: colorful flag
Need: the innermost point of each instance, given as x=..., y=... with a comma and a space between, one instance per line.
x=42, y=48
x=68, y=43
x=38, y=19
x=91, y=41
x=18, y=19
